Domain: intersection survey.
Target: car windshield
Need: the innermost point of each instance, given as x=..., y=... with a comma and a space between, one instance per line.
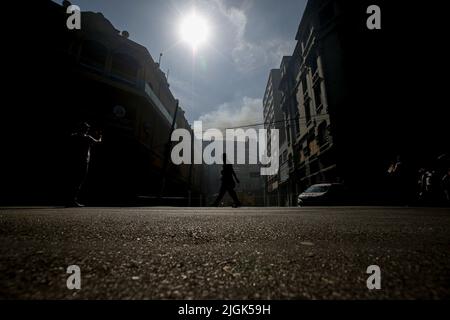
x=317, y=189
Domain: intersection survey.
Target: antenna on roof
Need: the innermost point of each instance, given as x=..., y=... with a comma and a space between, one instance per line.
x=159, y=61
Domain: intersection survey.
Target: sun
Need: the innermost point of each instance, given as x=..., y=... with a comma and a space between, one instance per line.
x=194, y=30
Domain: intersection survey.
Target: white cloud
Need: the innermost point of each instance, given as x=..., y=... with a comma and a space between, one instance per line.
x=248, y=55
x=279, y=48
x=247, y=111
x=184, y=91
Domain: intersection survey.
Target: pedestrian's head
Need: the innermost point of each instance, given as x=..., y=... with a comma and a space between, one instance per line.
x=84, y=126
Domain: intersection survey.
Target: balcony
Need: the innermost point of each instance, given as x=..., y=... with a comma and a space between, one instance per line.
x=306, y=152
x=155, y=100
x=306, y=96
x=324, y=146
x=319, y=109
x=316, y=76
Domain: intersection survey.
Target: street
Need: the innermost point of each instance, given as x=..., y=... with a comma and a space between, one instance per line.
x=224, y=253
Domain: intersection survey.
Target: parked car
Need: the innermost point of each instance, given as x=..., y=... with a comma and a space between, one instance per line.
x=324, y=194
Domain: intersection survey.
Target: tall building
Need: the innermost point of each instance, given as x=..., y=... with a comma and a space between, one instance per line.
x=291, y=129
x=307, y=83
x=348, y=106
x=319, y=95
x=273, y=119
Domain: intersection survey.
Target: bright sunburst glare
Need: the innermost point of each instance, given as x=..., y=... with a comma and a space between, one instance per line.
x=194, y=30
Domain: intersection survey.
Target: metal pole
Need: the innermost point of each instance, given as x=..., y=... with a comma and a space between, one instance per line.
x=167, y=153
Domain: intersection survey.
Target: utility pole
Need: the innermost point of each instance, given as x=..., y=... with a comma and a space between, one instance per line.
x=190, y=176
x=167, y=153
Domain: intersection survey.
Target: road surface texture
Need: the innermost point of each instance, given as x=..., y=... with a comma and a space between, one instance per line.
x=224, y=253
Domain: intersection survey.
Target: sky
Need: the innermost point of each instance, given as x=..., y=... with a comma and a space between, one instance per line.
x=223, y=83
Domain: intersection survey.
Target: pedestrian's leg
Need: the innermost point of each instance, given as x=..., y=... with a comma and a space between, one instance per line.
x=73, y=183
x=233, y=195
x=220, y=196
x=82, y=180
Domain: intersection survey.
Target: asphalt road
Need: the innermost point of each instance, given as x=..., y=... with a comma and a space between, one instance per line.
x=247, y=253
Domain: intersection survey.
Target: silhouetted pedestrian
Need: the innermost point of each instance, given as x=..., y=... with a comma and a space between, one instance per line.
x=82, y=141
x=397, y=181
x=228, y=184
x=421, y=177
x=446, y=186
x=431, y=187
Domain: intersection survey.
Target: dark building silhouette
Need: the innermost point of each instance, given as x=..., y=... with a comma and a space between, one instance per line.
x=273, y=119
x=355, y=99
x=95, y=74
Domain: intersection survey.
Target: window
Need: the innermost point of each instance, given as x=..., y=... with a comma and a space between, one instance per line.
x=312, y=63
x=288, y=132
x=307, y=113
x=125, y=67
x=93, y=54
x=327, y=13
x=314, y=166
x=297, y=123
x=304, y=86
x=318, y=188
x=317, y=96
x=306, y=151
x=322, y=134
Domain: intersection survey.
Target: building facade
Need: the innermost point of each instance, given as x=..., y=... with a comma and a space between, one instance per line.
x=99, y=75
x=314, y=89
x=346, y=113
x=273, y=118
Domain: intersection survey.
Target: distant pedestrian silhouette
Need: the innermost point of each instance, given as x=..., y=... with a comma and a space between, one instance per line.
x=446, y=186
x=228, y=184
x=82, y=141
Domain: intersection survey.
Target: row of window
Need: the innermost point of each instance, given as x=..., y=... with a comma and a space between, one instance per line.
x=123, y=65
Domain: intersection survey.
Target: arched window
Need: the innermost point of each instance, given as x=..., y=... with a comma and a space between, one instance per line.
x=322, y=134
x=93, y=54
x=125, y=66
